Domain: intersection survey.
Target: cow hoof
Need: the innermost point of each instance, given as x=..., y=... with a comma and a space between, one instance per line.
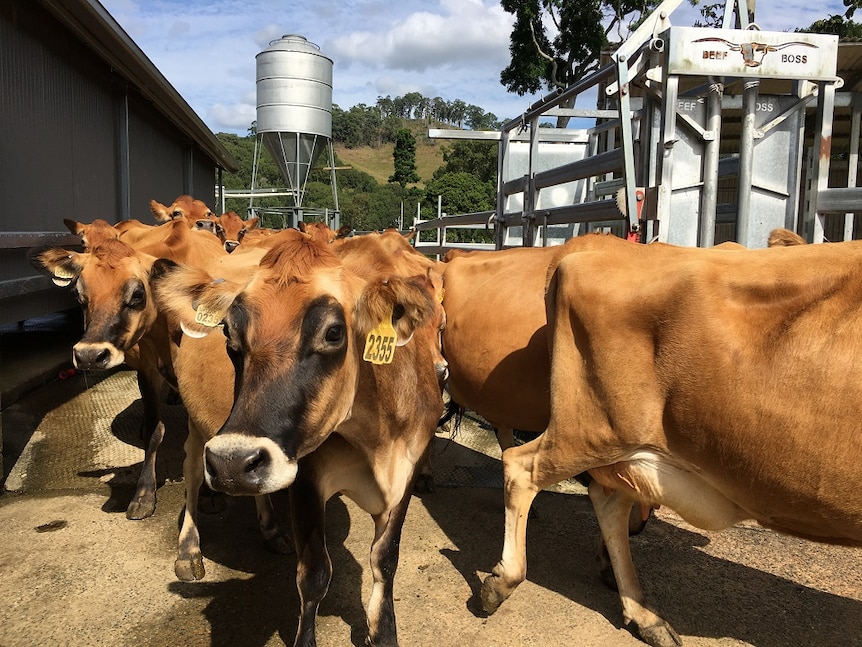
x=424, y=484
x=491, y=597
x=141, y=509
x=189, y=570
x=660, y=635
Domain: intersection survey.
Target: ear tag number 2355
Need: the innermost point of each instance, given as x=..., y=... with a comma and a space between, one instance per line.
x=380, y=343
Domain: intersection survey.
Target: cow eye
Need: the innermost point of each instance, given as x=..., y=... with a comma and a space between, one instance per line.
x=334, y=334
x=137, y=297
x=241, y=234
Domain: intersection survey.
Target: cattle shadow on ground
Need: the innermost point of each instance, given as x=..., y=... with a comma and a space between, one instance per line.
x=23, y=417
x=250, y=611
x=698, y=593
x=127, y=428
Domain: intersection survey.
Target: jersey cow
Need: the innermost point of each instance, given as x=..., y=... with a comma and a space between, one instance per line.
x=233, y=231
x=723, y=384
x=334, y=393
x=122, y=324
x=185, y=208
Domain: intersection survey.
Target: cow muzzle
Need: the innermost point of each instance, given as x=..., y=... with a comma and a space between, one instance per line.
x=246, y=465
x=87, y=356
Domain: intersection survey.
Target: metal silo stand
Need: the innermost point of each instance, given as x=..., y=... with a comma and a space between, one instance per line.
x=294, y=123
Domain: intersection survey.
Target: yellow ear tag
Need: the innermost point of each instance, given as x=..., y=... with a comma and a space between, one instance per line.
x=380, y=343
x=206, y=317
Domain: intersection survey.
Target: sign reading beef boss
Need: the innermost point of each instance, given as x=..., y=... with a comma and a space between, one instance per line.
x=746, y=52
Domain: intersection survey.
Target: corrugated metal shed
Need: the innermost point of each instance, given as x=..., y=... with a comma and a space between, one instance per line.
x=90, y=129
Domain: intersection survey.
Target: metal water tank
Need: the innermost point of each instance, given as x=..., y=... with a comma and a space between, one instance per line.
x=294, y=106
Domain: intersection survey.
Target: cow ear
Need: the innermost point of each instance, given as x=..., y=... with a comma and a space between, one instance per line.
x=160, y=211
x=407, y=302
x=252, y=223
x=77, y=228
x=191, y=297
x=62, y=265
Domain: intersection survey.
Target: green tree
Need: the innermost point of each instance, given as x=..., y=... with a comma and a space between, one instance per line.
x=478, y=158
x=460, y=193
x=555, y=43
x=404, y=157
x=836, y=24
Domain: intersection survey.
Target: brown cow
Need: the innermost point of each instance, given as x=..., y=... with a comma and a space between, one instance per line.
x=233, y=231
x=92, y=233
x=324, y=231
x=185, y=208
x=723, y=384
x=496, y=342
x=784, y=238
x=111, y=281
x=316, y=406
x=111, y=284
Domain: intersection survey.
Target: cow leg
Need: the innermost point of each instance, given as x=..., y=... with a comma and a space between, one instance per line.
x=613, y=511
x=273, y=536
x=143, y=503
x=189, y=564
x=518, y=493
x=385, y=550
x=424, y=483
x=505, y=437
x=313, y=565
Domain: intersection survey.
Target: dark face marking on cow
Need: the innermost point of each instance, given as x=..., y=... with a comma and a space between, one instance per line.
x=287, y=374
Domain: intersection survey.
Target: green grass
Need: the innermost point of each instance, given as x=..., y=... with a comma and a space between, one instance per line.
x=378, y=162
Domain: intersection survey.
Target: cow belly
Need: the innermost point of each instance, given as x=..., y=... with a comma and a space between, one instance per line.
x=656, y=479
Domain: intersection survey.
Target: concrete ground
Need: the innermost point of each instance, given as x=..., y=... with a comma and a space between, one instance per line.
x=74, y=571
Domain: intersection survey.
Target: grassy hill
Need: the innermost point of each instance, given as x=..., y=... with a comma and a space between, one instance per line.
x=379, y=163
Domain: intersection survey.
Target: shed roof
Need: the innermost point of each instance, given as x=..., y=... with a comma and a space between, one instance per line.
x=98, y=29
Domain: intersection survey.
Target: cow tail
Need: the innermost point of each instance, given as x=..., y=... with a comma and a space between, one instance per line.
x=453, y=410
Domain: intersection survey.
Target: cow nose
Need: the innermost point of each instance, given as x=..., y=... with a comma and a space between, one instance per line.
x=230, y=245
x=90, y=357
x=238, y=471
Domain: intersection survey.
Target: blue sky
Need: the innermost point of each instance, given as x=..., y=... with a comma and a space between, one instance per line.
x=454, y=49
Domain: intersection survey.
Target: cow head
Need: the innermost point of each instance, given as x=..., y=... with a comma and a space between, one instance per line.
x=111, y=283
x=296, y=332
x=184, y=207
x=231, y=229
x=93, y=233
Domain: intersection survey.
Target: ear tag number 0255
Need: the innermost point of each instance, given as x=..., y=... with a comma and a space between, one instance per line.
x=380, y=343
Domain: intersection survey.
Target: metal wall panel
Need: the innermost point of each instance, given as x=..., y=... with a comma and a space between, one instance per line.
x=57, y=128
x=156, y=155
x=63, y=139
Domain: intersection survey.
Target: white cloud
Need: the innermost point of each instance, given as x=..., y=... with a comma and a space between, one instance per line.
x=454, y=49
x=232, y=118
x=465, y=33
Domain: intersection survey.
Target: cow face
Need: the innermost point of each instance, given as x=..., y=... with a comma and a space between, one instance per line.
x=111, y=284
x=185, y=207
x=297, y=335
x=231, y=229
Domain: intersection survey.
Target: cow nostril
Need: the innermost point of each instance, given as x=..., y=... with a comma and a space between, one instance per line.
x=210, y=464
x=102, y=357
x=255, y=460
